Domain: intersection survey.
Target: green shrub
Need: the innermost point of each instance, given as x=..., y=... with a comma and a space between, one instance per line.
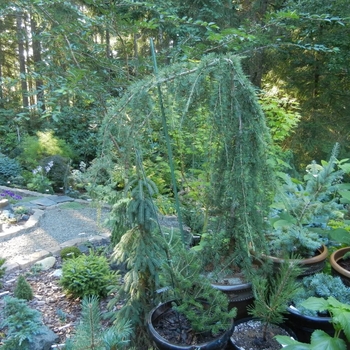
x=44, y=144
x=86, y=275
x=10, y=169
x=21, y=323
x=23, y=290
x=70, y=253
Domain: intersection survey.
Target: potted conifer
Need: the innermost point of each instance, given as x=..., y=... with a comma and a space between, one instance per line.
x=240, y=182
x=140, y=249
x=195, y=314
x=300, y=215
x=272, y=292
x=146, y=255
x=240, y=176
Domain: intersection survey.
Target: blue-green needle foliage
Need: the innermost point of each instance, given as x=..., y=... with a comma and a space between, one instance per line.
x=21, y=323
x=320, y=285
x=90, y=335
x=302, y=209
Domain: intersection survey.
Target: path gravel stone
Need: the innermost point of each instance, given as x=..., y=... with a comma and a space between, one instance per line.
x=62, y=222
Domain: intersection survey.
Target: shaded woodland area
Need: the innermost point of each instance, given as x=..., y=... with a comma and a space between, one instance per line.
x=63, y=65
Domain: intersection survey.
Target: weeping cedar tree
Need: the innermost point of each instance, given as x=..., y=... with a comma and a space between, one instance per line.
x=211, y=96
x=218, y=131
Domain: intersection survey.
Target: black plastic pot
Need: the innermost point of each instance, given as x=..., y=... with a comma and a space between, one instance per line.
x=240, y=296
x=303, y=326
x=162, y=344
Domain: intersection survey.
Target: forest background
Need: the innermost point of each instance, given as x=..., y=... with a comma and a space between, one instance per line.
x=65, y=64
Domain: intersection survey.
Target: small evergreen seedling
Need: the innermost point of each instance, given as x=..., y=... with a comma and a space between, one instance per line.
x=272, y=293
x=23, y=290
x=89, y=334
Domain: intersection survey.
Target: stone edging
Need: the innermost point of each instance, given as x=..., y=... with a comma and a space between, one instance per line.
x=33, y=222
x=14, y=231
x=33, y=258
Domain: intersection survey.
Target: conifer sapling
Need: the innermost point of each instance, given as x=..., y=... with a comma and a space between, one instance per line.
x=272, y=293
x=23, y=290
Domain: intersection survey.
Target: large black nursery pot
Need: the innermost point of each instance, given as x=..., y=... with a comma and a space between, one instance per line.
x=303, y=326
x=240, y=296
x=161, y=343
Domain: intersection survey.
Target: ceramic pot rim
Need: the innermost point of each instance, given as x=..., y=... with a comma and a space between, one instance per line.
x=335, y=257
x=318, y=258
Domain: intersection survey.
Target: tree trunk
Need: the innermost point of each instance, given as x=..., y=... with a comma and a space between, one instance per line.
x=37, y=60
x=2, y=61
x=21, y=58
x=108, y=44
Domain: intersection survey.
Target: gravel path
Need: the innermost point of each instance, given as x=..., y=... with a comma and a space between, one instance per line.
x=58, y=225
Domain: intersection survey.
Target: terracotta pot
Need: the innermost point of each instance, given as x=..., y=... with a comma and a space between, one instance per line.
x=310, y=266
x=337, y=270
x=163, y=344
x=237, y=340
x=240, y=296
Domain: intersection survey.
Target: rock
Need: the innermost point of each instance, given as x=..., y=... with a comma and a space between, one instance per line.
x=57, y=273
x=44, y=340
x=4, y=203
x=45, y=202
x=46, y=263
x=83, y=249
x=7, y=213
x=60, y=199
x=25, y=217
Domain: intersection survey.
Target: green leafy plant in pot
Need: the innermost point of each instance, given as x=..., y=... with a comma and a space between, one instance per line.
x=340, y=258
x=304, y=321
x=340, y=319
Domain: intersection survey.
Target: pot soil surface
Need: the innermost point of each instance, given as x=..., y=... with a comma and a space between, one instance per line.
x=345, y=264
x=248, y=336
x=176, y=329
